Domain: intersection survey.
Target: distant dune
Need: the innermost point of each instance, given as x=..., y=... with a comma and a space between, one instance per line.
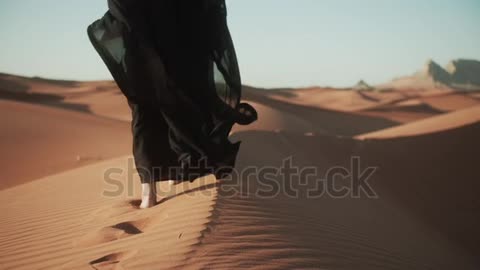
x=430, y=125
x=59, y=138
x=99, y=97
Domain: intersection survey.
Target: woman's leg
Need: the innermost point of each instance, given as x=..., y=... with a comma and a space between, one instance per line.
x=154, y=159
x=149, y=195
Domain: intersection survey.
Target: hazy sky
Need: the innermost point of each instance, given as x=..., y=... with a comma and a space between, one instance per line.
x=279, y=42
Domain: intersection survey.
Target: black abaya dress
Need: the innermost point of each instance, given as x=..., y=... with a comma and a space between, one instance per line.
x=175, y=62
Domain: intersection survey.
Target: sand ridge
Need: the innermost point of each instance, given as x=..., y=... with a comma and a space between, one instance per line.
x=439, y=123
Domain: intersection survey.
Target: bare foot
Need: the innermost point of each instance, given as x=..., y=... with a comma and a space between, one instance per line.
x=149, y=195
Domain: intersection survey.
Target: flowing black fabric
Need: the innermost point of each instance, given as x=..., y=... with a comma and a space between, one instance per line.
x=175, y=62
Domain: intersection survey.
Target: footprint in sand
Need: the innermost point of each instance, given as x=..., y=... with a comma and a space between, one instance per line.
x=115, y=232
x=111, y=261
x=120, y=230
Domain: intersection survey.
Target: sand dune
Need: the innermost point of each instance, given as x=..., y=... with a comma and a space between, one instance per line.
x=322, y=121
x=434, y=177
x=451, y=102
x=429, y=125
x=424, y=214
x=38, y=141
x=71, y=224
x=109, y=103
x=284, y=232
x=204, y=225
x=401, y=105
x=101, y=98
x=271, y=119
x=72, y=121
x=105, y=99
x=333, y=99
x=348, y=100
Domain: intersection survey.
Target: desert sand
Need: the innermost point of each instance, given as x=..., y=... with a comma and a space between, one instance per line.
x=434, y=124
x=38, y=140
x=60, y=212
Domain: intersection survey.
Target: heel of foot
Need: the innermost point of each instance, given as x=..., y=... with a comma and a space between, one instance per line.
x=148, y=202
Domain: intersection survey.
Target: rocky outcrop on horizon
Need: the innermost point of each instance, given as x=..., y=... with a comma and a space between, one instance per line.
x=461, y=74
x=464, y=72
x=362, y=85
x=436, y=72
